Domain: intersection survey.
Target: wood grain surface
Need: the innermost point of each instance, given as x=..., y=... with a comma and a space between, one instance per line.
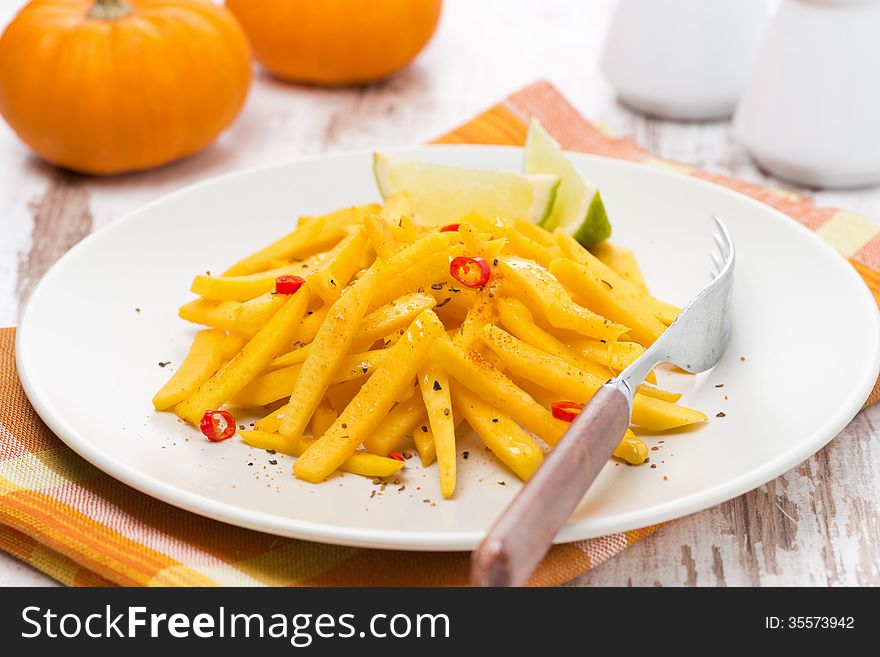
x=816, y=525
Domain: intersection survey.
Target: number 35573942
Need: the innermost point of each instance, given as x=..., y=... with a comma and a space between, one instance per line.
x=809, y=622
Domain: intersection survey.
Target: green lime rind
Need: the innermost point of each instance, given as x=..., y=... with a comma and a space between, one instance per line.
x=595, y=227
x=548, y=202
x=578, y=207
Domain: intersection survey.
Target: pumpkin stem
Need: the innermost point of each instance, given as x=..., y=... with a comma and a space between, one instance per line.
x=110, y=10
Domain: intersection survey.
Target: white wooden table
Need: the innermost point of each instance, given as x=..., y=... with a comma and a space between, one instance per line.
x=818, y=524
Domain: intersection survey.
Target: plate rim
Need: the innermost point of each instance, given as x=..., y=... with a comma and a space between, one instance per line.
x=426, y=541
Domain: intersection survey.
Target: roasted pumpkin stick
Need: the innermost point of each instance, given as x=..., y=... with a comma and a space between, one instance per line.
x=419, y=275
x=478, y=375
x=216, y=314
x=520, y=245
x=659, y=393
x=630, y=449
x=398, y=269
x=622, y=261
x=391, y=317
x=403, y=227
x=423, y=438
x=479, y=245
x=573, y=384
x=311, y=323
x=252, y=314
x=384, y=242
x=372, y=403
x=540, y=290
x=339, y=266
x=616, y=304
x=571, y=249
x=434, y=385
x=403, y=419
x=340, y=394
x=271, y=422
x=329, y=347
x=535, y=233
x=513, y=446
x=359, y=463
x=517, y=319
x=232, y=344
x=312, y=236
x=322, y=419
x=398, y=212
x=249, y=362
x=482, y=312
x=614, y=355
x=203, y=359
x=248, y=286
x=277, y=384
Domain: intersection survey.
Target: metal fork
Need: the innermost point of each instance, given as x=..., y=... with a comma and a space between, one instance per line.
x=523, y=534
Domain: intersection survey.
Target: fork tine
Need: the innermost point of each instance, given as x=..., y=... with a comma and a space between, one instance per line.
x=725, y=236
x=721, y=242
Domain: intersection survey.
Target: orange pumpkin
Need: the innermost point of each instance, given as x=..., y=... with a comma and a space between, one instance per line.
x=333, y=42
x=108, y=86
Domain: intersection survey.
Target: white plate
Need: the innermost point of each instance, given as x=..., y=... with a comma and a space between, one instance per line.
x=803, y=320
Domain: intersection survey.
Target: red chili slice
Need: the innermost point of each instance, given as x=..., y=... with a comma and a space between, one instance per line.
x=470, y=272
x=449, y=228
x=288, y=284
x=217, y=425
x=397, y=456
x=566, y=410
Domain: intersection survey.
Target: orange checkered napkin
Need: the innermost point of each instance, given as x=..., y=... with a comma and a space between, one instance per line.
x=66, y=518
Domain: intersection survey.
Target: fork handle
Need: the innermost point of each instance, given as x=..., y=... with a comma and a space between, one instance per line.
x=523, y=534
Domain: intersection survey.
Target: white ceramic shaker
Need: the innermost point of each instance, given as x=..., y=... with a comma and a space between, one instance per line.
x=684, y=59
x=811, y=113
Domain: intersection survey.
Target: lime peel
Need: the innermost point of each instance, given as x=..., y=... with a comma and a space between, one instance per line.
x=442, y=193
x=578, y=209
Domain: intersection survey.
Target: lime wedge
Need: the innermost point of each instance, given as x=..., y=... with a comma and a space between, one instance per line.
x=442, y=193
x=578, y=208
